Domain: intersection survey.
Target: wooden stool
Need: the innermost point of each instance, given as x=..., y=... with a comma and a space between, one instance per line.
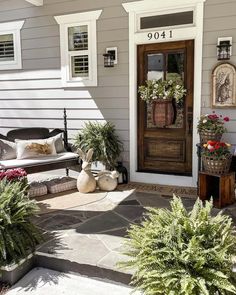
x=220, y=187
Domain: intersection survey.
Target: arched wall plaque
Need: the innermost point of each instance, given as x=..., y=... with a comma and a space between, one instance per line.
x=224, y=86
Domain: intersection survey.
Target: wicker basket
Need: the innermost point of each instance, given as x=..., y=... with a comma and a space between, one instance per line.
x=209, y=135
x=215, y=166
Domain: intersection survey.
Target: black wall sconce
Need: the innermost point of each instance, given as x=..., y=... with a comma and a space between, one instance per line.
x=110, y=57
x=224, y=48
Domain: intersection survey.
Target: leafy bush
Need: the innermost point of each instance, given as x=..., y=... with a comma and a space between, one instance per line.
x=18, y=235
x=179, y=253
x=103, y=140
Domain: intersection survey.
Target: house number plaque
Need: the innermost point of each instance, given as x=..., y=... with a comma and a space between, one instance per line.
x=160, y=35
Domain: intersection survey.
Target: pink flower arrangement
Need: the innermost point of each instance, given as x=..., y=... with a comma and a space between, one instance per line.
x=213, y=122
x=13, y=174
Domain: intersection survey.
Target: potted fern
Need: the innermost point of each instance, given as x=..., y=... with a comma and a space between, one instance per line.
x=176, y=252
x=18, y=235
x=102, y=138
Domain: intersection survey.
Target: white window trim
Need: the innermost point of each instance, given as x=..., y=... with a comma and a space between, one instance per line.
x=136, y=37
x=36, y=2
x=14, y=29
x=78, y=19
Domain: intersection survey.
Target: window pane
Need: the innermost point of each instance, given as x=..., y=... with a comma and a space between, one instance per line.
x=78, y=38
x=155, y=66
x=166, y=20
x=80, y=66
x=175, y=67
x=6, y=47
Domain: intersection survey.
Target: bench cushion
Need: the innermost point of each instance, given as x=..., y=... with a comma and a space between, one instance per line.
x=9, y=164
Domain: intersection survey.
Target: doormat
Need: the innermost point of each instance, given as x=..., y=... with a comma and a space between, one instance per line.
x=165, y=190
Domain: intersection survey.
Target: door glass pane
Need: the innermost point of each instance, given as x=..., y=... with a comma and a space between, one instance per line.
x=175, y=67
x=166, y=20
x=175, y=71
x=80, y=66
x=155, y=66
x=78, y=38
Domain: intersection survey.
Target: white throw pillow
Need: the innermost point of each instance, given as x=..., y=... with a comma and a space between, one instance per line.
x=33, y=148
x=59, y=143
x=7, y=150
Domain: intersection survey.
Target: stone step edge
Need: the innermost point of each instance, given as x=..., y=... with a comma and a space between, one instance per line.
x=92, y=271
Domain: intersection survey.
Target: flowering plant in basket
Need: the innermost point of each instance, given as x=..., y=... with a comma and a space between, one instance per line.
x=213, y=122
x=162, y=90
x=216, y=149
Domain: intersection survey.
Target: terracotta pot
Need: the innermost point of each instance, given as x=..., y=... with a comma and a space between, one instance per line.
x=209, y=135
x=163, y=113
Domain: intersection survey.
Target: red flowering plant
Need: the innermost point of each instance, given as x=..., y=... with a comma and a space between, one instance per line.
x=213, y=122
x=14, y=175
x=217, y=149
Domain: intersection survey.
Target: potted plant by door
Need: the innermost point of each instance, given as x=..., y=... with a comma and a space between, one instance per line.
x=211, y=127
x=104, y=141
x=164, y=96
x=216, y=157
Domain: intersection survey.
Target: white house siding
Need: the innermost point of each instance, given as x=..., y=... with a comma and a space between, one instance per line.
x=33, y=96
x=219, y=21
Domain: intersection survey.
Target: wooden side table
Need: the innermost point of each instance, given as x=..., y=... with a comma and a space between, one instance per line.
x=220, y=187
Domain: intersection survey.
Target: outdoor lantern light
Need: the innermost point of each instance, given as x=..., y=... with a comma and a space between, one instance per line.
x=108, y=60
x=224, y=48
x=123, y=173
x=110, y=57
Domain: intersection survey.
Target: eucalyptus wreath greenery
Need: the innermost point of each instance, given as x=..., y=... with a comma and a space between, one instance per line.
x=175, y=252
x=103, y=139
x=162, y=90
x=18, y=235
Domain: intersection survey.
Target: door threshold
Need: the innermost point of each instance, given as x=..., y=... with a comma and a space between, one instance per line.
x=189, y=174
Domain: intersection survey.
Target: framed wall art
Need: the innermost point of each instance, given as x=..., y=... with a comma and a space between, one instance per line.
x=224, y=86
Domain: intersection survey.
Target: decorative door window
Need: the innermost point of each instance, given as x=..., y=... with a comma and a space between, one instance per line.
x=167, y=66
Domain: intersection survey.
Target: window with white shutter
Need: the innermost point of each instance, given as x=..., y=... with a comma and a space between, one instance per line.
x=6, y=47
x=79, y=48
x=10, y=45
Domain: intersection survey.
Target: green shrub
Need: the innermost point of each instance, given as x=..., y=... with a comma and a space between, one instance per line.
x=104, y=141
x=175, y=252
x=18, y=235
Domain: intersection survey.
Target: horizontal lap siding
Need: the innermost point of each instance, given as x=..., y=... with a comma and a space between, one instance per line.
x=34, y=96
x=219, y=21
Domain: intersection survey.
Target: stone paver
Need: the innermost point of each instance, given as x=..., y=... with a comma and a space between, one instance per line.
x=90, y=235
x=102, y=223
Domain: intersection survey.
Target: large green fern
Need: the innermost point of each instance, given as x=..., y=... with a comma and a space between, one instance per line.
x=175, y=252
x=18, y=235
x=104, y=141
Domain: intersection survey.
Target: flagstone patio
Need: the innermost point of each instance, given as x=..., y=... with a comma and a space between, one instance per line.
x=86, y=231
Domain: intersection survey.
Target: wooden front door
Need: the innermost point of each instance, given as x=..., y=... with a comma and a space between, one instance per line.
x=166, y=149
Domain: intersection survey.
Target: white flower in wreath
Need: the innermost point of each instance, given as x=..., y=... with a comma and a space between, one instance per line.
x=204, y=121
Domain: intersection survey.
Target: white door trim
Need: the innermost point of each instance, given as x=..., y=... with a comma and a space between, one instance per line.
x=193, y=32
